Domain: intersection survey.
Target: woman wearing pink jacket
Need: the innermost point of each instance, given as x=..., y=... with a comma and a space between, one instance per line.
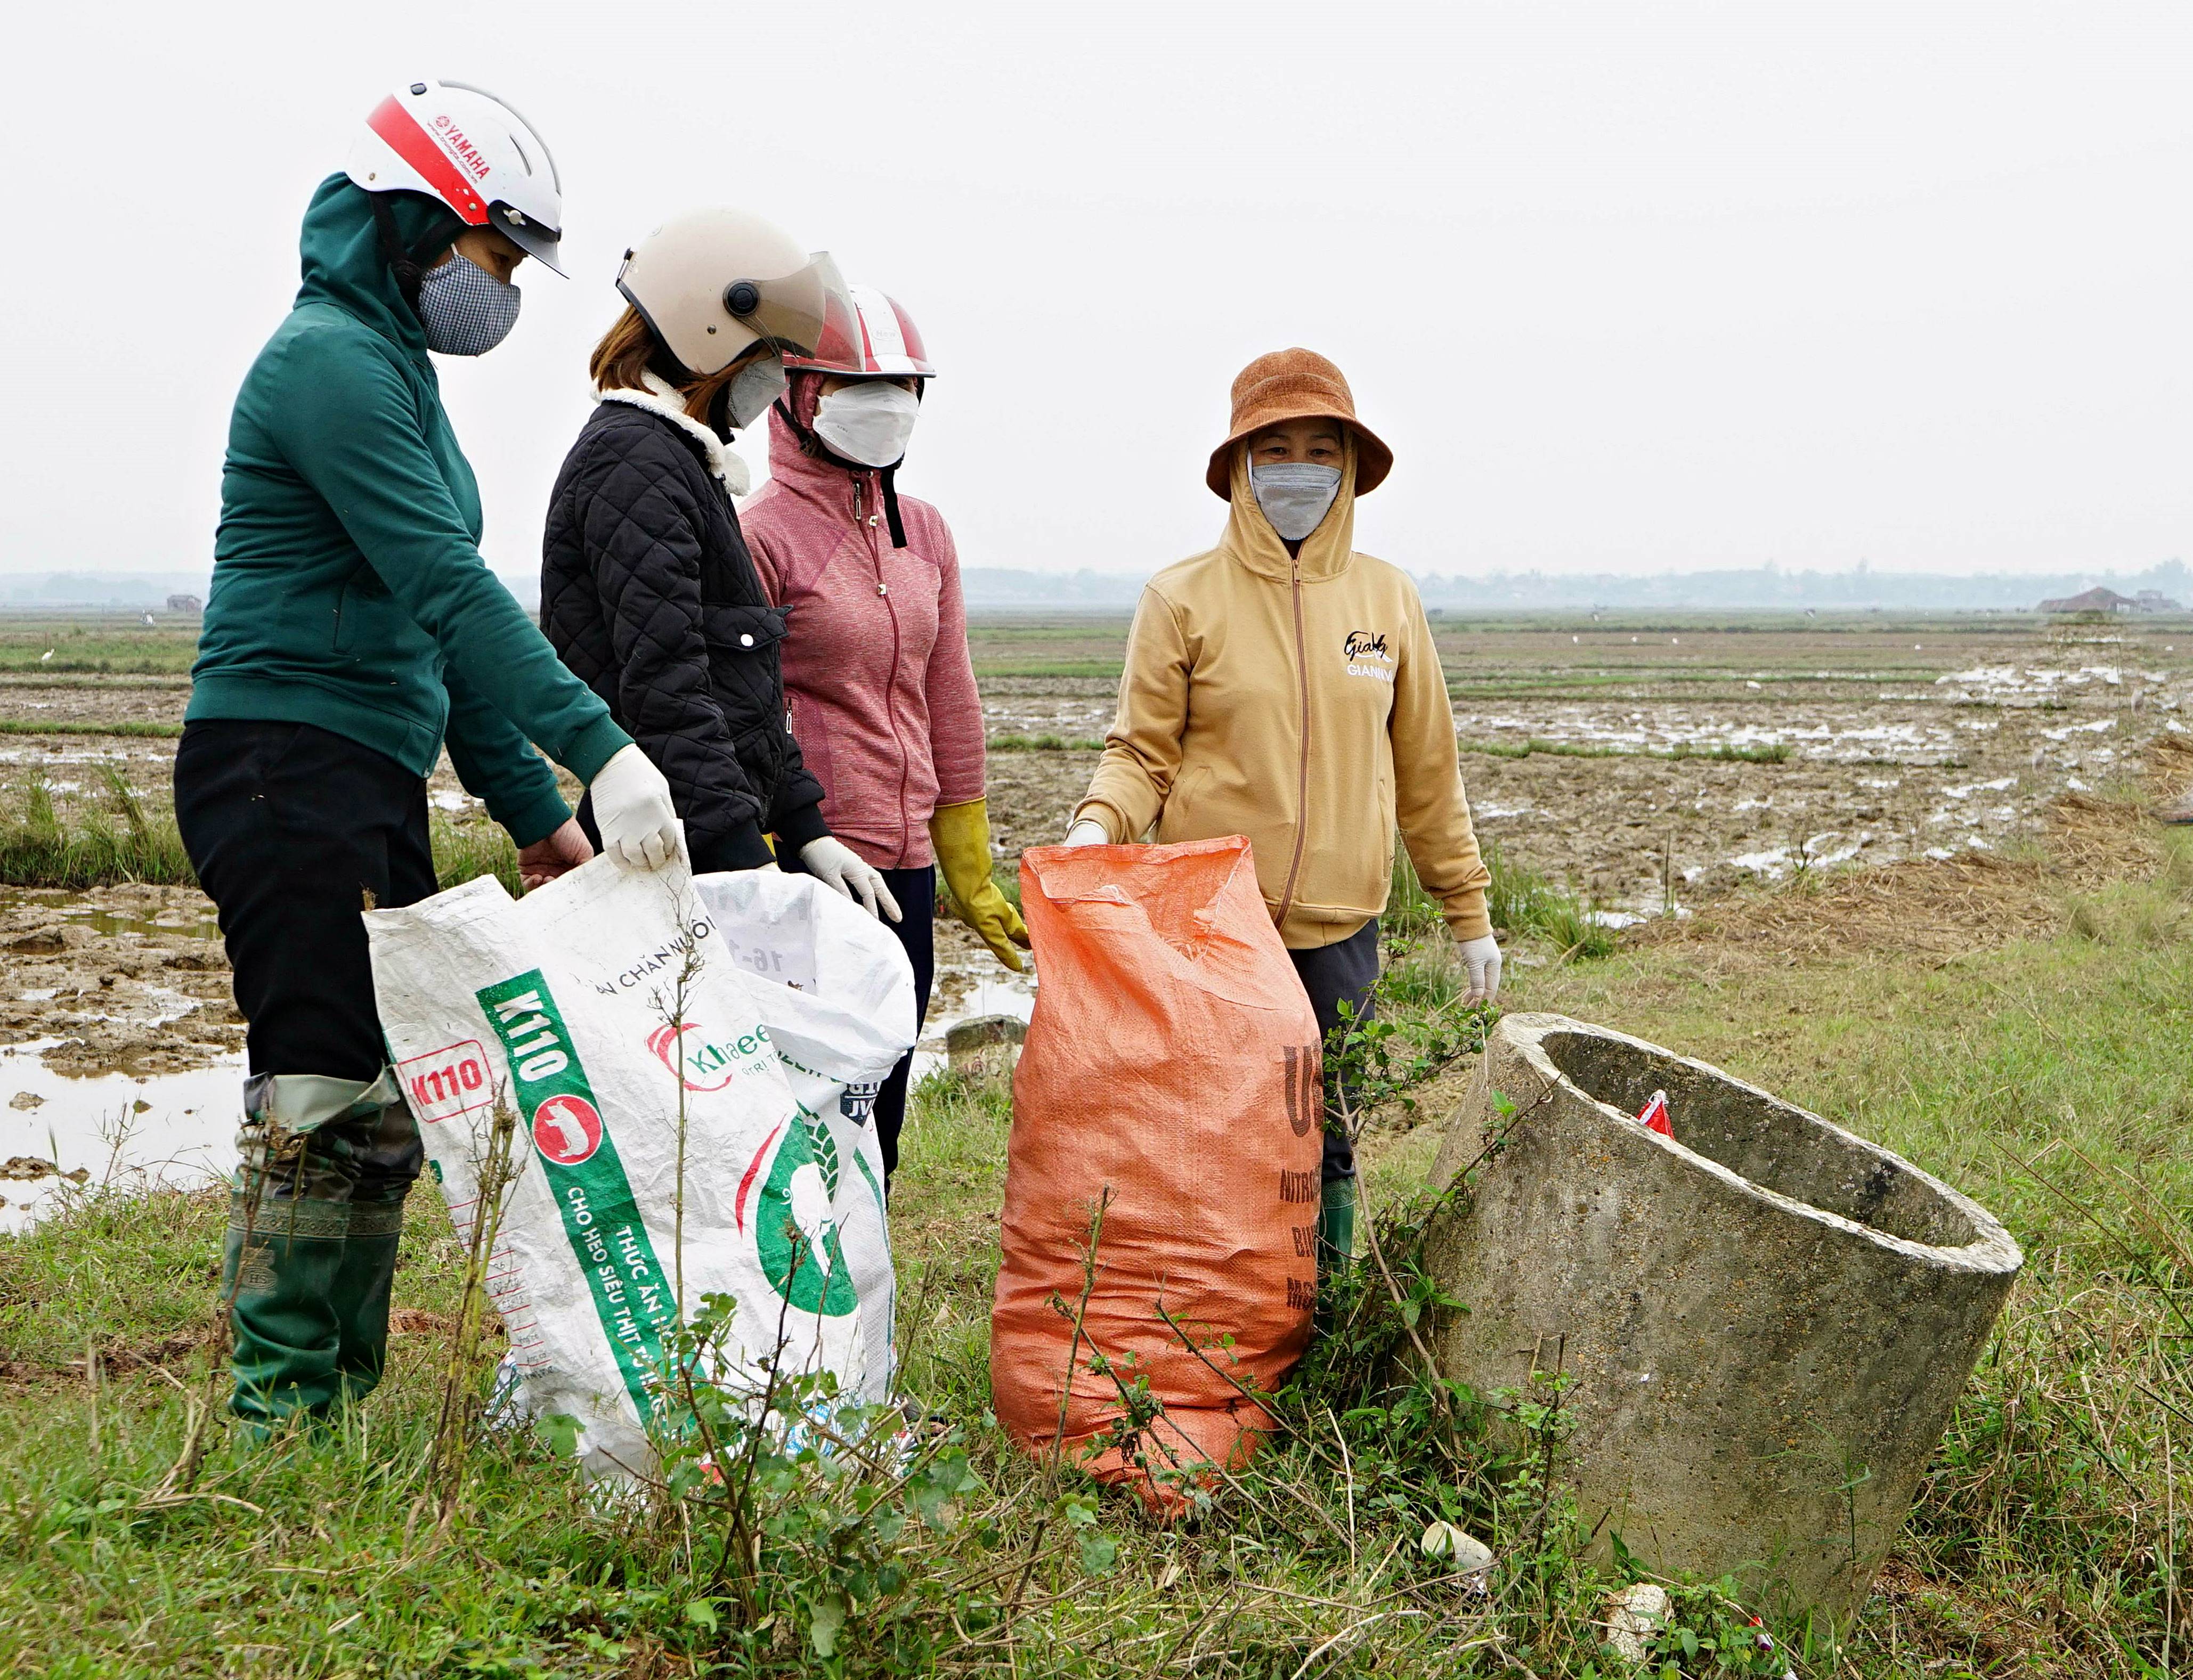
x=875, y=651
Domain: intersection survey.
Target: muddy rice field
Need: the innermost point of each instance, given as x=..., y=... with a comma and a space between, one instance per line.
x=1650, y=766
x=1589, y=749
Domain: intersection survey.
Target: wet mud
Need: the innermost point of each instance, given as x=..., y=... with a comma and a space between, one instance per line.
x=125, y=979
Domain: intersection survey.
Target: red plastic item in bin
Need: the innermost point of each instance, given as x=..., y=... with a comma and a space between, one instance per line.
x=1654, y=1114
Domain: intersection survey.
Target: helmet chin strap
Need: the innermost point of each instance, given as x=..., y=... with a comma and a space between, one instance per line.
x=889, y=475
x=409, y=267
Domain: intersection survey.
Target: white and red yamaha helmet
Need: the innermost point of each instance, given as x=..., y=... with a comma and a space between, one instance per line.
x=469, y=149
x=890, y=345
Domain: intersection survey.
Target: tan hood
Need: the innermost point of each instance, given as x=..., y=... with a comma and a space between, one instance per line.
x=1327, y=552
x=1297, y=700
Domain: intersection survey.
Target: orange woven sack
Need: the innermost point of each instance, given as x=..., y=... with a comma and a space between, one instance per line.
x=1169, y=1079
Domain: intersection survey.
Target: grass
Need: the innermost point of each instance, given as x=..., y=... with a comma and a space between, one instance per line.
x=1521, y=902
x=2046, y=1076
x=113, y=839
x=142, y=727
x=1044, y=743
x=463, y=851
x=2049, y=1078
x=95, y=645
x=1107, y=670
x=1765, y=752
x=1760, y=752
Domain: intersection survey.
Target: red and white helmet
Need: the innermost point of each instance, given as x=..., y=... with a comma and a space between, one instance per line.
x=891, y=344
x=469, y=149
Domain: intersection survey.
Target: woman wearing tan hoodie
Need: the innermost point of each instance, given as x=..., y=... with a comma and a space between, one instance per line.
x=1285, y=687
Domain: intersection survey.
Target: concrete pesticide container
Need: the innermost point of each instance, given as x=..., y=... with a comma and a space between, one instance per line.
x=1768, y=1319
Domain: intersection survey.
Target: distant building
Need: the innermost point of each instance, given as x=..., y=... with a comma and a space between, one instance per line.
x=185, y=603
x=2154, y=601
x=2096, y=600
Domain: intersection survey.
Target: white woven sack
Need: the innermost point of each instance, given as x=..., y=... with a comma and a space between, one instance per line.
x=562, y=1004
x=836, y=992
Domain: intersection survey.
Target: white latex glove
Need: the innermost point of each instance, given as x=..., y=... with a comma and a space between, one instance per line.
x=633, y=811
x=1088, y=833
x=840, y=868
x=1482, y=957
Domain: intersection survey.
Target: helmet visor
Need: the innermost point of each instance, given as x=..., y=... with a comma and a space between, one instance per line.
x=536, y=239
x=800, y=313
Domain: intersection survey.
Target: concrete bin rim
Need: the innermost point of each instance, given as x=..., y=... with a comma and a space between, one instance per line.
x=1991, y=1249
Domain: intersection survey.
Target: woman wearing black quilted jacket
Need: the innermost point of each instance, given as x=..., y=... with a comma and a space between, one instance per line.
x=647, y=593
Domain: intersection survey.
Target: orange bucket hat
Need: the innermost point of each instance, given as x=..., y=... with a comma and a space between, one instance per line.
x=1296, y=384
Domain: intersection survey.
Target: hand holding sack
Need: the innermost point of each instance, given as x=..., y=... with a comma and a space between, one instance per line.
x=1172, y=1064
x=632, y=809
x=961, y=835
x=843, y=870
x=556, y=853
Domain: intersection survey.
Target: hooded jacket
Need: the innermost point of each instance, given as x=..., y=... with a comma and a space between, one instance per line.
x=1297, y=700
x=348, y=590
x=650, y=595
x=875, y=656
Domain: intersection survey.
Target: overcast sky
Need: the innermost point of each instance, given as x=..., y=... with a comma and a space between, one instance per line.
x=1626, y=286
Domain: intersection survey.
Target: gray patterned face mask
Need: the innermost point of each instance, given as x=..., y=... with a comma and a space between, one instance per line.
x=467, y=311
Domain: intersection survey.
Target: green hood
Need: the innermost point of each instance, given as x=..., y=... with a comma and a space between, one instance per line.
x=348, y=590
x=340, y=250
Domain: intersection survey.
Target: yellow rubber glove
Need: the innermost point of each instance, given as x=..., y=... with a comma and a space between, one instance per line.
x=961, y=835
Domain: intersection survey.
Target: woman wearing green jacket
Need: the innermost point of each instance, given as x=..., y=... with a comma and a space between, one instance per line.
x=352, y=628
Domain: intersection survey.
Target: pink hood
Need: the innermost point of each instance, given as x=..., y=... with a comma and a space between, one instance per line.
x=875, y=655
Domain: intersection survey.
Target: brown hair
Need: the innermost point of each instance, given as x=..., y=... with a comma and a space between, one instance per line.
x=625, y=352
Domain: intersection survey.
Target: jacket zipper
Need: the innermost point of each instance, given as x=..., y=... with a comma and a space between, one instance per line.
x=1302, y=773
x=866, y=526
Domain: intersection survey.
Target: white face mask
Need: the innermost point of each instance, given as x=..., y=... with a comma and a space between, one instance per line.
x=1296, y=495
x=870, y=422
x=753, y=388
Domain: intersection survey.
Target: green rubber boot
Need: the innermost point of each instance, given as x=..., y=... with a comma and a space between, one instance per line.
x=282, y=1273
x=290, y=1222
x=1336, y=1245
x=361, y=1295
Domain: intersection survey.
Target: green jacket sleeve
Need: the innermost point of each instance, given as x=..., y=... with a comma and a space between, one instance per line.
x=497, y=764
x=351, y=428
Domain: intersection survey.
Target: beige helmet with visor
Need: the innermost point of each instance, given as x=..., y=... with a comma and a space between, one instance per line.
x=711, y=282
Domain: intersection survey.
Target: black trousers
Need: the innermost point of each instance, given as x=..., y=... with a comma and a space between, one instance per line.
x=294, y=831
x=915, y=889
x=1330, y=973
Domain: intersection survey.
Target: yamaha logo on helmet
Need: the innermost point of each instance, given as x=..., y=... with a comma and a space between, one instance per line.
x=463, y=149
